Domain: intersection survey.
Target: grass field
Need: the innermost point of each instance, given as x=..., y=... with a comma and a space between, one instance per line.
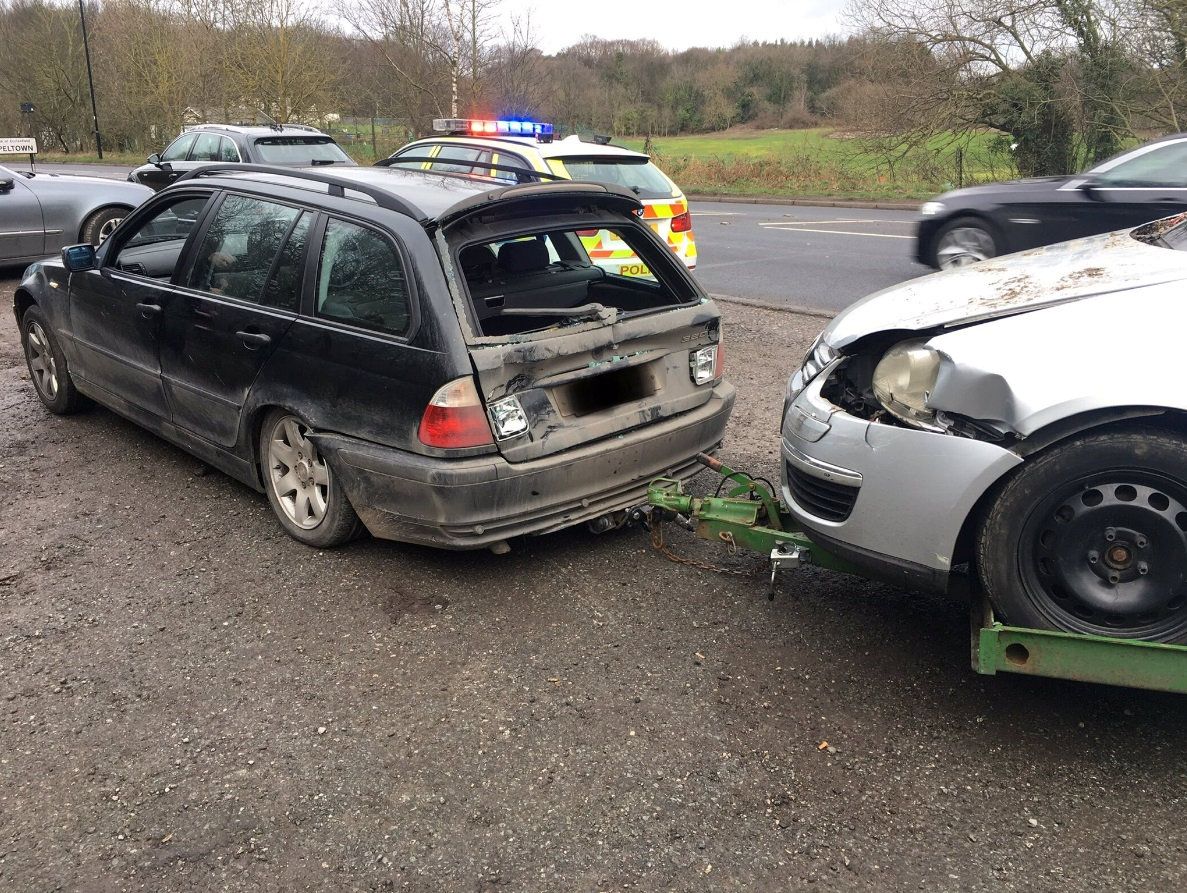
x=820, y=162
x=814, y=163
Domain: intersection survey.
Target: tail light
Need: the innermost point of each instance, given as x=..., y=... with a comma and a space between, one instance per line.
x=455, y=418
x=682, y=223
x=587, y=233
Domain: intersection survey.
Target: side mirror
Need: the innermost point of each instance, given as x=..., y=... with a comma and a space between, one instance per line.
x=1089, y=188
x=78, y=258
x=154, y=159
x=7, y=184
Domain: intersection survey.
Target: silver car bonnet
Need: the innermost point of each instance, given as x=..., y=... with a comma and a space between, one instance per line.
x=1056, y=274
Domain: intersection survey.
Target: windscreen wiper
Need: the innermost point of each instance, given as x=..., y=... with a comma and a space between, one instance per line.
x=585, y=311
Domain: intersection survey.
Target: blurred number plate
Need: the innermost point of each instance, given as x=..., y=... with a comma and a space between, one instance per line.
x=17, y=146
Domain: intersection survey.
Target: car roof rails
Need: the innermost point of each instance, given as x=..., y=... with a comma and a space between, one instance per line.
x=476, y=166
x=337, y=185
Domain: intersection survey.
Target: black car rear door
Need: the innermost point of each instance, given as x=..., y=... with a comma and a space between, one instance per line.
x=239, y=295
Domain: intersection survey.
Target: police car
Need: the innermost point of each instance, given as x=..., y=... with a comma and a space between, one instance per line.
x=516, y=151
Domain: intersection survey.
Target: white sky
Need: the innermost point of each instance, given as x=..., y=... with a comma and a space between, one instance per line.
x=678, y=24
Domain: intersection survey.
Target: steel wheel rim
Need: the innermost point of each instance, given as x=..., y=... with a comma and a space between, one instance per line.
x=42, y=364
x=108, y=228
x=964, y=245
x=1109, y=553
x=297, y=473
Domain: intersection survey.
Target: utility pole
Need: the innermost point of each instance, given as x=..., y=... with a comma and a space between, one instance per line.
x=86, y=46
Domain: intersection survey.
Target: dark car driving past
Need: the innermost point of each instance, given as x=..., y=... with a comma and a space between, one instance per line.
x=1135, y=187
x=409, y=352
x=281, y=144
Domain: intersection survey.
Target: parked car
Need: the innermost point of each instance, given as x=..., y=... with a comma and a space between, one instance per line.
x=524, y=152
x=406, y=352
x=1135, y=187
x=1024, y=418
x=297, y=145
x=39, y=213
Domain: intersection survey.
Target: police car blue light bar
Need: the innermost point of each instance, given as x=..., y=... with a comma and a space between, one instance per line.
x=482, y=127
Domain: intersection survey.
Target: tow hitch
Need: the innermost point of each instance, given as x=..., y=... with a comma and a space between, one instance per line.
x=749, y=516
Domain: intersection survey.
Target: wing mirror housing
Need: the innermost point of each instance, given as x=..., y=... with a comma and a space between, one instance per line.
x=154, y=159
x=7, y=184
x=78, y=258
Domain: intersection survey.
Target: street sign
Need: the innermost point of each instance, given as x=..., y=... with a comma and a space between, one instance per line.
x=18, y=145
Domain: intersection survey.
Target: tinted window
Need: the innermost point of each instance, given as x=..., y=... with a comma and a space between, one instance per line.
x=154, y=247
x=1165, y=166
x=299, y=150
x=284, y=285
x=179, y=148
x=236, y=254
x=361, y=279
x=227, y=150
x=205, y=147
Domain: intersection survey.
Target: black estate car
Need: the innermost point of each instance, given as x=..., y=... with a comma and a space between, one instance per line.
x=297, y=145
x=1133, y=188
x=404, y=351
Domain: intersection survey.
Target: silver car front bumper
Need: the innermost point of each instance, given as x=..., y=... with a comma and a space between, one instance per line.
x=891, y=498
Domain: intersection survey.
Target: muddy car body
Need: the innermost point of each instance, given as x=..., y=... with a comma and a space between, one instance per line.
x=1022, y=418
x=393, y=372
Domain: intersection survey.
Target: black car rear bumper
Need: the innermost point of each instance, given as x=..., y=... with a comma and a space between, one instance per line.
x=475, y=502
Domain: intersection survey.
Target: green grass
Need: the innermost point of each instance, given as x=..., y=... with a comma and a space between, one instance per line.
x=819, y=162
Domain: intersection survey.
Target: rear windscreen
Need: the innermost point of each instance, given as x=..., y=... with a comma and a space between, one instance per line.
x=299, y=150
x=542, y=280
x=637, y=174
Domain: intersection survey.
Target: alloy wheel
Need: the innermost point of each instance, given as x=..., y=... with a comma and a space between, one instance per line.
x=108, y=228
x=964, y=245
x=41, y=361
x=297, y=473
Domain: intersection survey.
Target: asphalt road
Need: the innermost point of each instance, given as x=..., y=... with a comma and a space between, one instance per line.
x=815, y=258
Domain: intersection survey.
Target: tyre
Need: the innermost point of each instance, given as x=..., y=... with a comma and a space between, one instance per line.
x=964, y=241
x=1091, y=537
x=101, y=224
x=48, y=369
x=305, y=496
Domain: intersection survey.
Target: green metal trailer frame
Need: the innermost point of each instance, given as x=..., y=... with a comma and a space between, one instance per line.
x=751, y=517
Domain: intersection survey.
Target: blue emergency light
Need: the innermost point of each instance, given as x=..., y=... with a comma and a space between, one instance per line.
x=482, y=127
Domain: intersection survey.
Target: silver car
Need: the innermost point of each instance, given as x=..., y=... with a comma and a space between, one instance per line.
x=40, y=213
x=1023, y=420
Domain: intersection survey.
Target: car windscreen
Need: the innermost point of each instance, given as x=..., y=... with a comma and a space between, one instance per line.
x=300, y=150
x=637, y=174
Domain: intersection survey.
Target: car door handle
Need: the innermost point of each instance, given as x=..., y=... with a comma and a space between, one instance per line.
x=202, y=312
x=252, y=340
x=148, y=311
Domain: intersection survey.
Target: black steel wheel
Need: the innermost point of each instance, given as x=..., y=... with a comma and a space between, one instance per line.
x=1091, y=537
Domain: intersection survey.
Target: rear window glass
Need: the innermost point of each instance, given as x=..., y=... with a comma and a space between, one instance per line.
x=639, y=175
x=544, y=280
x=299, y=150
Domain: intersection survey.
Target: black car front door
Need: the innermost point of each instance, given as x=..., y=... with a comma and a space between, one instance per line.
x=239, y=296
x=116, y=310
x=1145, y=185
x=170, y=164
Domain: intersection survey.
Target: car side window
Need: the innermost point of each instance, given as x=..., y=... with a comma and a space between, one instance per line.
x=284, y=285
x=236, y=253
x=179, y=148
x=227, y=150
x=205, y=147
x=154, y=247
x=460, y=154
x=1165, y=167
x=361, y=279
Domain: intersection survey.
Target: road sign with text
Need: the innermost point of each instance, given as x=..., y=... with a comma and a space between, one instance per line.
x=18, y=146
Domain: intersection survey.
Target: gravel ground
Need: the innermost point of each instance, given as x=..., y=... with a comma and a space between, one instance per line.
x=189, y=700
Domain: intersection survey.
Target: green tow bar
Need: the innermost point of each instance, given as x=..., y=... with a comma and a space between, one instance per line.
x=751, y=517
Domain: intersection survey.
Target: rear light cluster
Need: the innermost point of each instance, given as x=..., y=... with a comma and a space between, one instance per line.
x=455, y=419
x=682, y=223
x=706, y=364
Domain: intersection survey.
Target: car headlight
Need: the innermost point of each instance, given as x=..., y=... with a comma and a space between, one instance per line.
x=819, y=355
x=932, y=209
x=903, y=382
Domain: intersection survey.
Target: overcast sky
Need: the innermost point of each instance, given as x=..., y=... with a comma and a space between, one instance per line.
x=678, y=24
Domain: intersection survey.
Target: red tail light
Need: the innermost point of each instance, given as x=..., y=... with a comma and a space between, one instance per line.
x=455, y=418
x=682, y=223
x=587, y=233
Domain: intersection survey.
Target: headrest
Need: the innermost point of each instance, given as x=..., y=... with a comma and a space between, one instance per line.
x=477, y=261
x=523, y=256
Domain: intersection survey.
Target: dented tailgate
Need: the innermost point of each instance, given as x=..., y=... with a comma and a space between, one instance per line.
x=593, y=382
